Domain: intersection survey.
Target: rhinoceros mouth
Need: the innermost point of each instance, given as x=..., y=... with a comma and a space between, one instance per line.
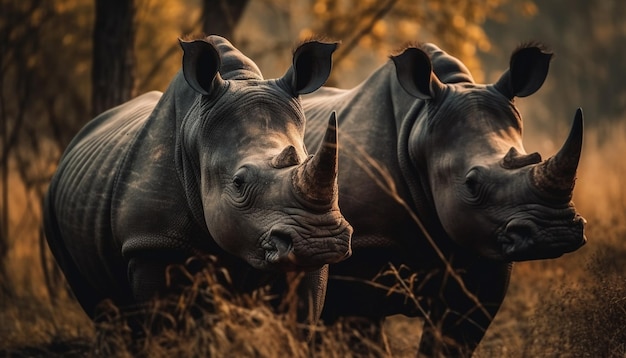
x=527, y=239
x=287, y=249
x=279, y=251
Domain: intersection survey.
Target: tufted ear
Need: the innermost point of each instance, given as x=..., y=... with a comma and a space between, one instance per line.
x=312, y=62
x=201, y=63
x=527, y=71
x=415, y=74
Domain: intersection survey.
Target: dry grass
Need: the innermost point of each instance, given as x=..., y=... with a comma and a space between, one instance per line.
x=574, y=306
x=201, y=321
x=591, y=315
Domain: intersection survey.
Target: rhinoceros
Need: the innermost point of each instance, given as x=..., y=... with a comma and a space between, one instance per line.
x=441, y=193
x=209, y=167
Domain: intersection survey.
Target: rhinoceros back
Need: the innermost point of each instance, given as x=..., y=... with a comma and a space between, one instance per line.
x=78, y=203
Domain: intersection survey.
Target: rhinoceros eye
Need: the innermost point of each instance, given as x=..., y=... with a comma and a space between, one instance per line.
x=237, y=181
x=472, y=182
x=239, y=178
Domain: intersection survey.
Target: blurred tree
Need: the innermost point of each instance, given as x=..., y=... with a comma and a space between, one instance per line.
x=380, y=24
x=369, y=30
x=42, y=99
x=15, y=25
x=587, y=71
x=385, y=26
x=113, y=54
x=220, y=17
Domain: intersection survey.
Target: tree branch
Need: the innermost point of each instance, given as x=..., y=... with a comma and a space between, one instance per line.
x=346, y=48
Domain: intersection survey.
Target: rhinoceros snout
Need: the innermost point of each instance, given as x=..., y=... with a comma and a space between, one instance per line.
x=288, y=249
x=528, y=239
x=279, y=250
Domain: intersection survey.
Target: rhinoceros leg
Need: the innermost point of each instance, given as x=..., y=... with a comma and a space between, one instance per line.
x=81, y=288
x=312, y=292
x=146, y=277
x=457, y=325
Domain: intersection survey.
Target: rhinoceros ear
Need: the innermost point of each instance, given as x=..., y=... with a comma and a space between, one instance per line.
x=415, y=74
x=201, y=63
x=312, y=62
x=527, y=71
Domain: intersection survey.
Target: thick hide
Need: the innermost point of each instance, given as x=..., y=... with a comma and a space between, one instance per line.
x=206, y=168
x=440, y=192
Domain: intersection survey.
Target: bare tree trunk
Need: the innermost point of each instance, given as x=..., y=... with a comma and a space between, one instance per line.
x=4, y=223
x=113, y=54
x=220, y=17
x=12, y=118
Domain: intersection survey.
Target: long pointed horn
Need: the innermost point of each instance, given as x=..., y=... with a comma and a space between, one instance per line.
x=316, y=179
x=558, y=174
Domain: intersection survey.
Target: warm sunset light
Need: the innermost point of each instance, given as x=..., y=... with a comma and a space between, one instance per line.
x=322, y=178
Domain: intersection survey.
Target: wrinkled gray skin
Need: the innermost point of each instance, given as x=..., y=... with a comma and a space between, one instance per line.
x=210, y=167
x=420, y=131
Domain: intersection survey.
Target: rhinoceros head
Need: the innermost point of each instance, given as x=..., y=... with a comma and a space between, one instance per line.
x=262, y=197
x=489, y=194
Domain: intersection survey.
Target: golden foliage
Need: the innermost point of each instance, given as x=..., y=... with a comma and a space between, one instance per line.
x=378, y=28
x=159, y=25
x=51, y=48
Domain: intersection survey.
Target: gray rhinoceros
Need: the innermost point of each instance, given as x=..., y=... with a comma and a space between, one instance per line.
x=424, y=147
x=210, y=167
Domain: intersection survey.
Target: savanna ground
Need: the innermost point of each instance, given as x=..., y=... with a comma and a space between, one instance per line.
x=573, y=306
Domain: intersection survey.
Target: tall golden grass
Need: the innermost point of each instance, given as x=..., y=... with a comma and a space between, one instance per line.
x=572, y=306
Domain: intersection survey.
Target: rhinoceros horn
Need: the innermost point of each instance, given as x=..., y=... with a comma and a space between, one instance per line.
x=316, y=179
x=557, y=175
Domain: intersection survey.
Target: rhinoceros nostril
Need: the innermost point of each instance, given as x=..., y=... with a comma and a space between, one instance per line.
x=279, y=249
